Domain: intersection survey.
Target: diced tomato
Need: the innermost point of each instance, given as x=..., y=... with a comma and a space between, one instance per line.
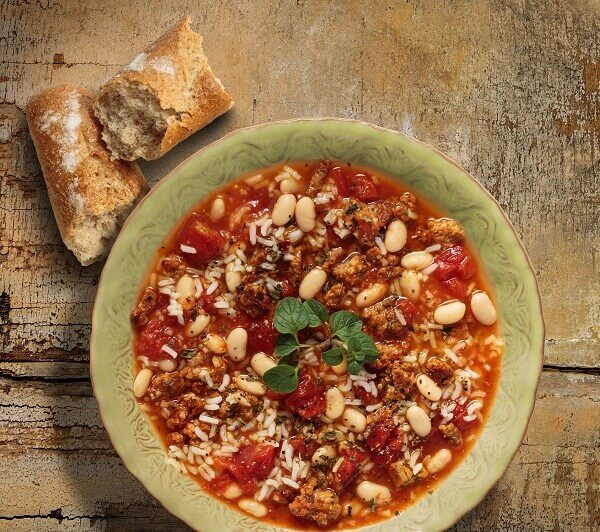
x=456, y=287
x=459, y=413
x=275, y=396
x=252, y=463
x=408, y=309
x=366, y=230
x=263, y=460
x=366, y=397
x=380, y=434
x=287, y=288
x=348, y=470
x=384, y=442
x=153, y=336
x=162, y=300
x=360, y=186
x=208, y=243
x=390, y=452
x=207, y=302
x=341, y=180
x=219, y=484
x=435, y=436
x=259, y=199
x=308, y=400
x=455, y=267
x=261, y=337
x=346, y=473
x=305, y=448
x=454, y=262
x=364, y=188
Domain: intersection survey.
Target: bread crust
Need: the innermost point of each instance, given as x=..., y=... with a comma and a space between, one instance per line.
x=84, y=184
x=176, y=71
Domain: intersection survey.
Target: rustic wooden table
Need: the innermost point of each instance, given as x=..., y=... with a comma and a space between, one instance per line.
x=509, y=89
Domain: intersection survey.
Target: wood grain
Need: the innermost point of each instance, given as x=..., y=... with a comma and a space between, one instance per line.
x=510, y=89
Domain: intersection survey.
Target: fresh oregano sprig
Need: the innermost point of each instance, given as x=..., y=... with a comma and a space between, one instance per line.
x=292, y=316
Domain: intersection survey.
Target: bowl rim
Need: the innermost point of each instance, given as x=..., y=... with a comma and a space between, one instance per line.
x=164, y=181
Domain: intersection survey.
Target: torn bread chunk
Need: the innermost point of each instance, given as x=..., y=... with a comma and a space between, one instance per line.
x=164, y=95
x=91, y=194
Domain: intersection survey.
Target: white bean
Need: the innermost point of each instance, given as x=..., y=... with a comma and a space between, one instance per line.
x=335, y=403
x=371, y=491
x=238, y=397
x=255, y=508
x=215, y=343
x=428, y=388
x=410, y=284
x=195, y=327
x=261, y=363
x=141, y=382
x=417, y=260
x=186, y=288
x=354, y=420
x=312, y=283
x=395, y=236
x=370, y=296
x=483, y=309
x=439, y=460
x=323, y=455
x=167, y=365
x=250, y=385
x=418, y=420
x=283, y=210
x=290, y=185
x=237, y=340
x=305, y=214
x=217, y=209
x=450, y=312
x=232, y=279
x=233, y=491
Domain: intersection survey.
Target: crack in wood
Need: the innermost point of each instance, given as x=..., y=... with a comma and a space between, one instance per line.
x=572, y=369
x=66, y=64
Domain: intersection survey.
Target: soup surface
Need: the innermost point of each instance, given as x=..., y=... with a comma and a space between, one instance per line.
x=316, y=345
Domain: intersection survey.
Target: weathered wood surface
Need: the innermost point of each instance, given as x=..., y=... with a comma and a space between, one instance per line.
x=511, y=90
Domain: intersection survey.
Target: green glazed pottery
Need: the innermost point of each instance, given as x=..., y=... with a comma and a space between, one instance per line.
x=422, y=168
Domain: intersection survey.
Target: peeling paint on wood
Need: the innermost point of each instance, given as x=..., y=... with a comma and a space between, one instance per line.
x=509, y=89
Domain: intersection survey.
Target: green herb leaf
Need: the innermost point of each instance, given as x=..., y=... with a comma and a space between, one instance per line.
x=372, y=505
x=344, y=324
x=359, y=356
x=354, y=367
x=370, y=357
x=189, y=353
x=282, y=378
x=317, y=313
x=363, y=343
x=285, y=345
x=290, y=316
x=334, y=356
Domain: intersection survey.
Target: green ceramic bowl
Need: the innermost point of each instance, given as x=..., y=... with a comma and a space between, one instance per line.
x=421, y=167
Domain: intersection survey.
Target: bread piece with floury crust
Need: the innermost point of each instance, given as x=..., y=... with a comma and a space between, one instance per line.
x=164, y=95
x=91, y=194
